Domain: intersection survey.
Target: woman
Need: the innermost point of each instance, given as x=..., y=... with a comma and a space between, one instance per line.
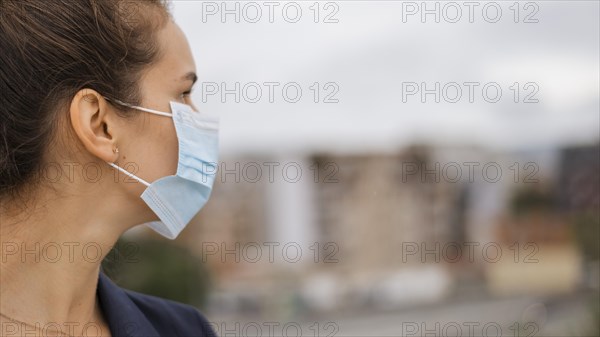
x=94, y=93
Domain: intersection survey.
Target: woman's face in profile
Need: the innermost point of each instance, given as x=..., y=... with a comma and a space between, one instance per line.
x=150, y=149
x=70, y=118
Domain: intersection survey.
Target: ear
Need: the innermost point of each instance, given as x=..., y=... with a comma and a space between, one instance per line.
x=94, y=124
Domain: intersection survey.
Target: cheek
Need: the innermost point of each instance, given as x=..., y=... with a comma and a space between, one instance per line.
x=156, y=149
x=167, y=148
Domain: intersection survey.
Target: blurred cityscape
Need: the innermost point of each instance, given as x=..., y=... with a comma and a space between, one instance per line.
x=394, y=230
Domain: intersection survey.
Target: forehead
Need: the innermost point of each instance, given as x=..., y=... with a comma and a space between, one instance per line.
x=176, y=55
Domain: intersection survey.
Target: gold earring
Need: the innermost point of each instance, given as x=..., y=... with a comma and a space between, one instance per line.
x=116, y=150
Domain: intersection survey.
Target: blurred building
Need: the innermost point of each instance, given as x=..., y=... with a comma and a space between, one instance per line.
x=579, y=179
x=353, y=230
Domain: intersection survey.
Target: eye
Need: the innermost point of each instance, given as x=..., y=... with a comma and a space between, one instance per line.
x=185, y=95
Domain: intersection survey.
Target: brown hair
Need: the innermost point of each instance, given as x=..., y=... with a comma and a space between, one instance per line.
x=52, y=49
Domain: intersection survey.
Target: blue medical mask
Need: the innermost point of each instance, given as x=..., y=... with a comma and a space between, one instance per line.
x=177, y=199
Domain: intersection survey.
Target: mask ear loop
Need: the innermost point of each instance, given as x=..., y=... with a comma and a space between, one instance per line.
x=156, y=112
x=129, y=174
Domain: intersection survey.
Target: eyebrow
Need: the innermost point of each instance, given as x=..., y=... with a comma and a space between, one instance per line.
x=191, y=76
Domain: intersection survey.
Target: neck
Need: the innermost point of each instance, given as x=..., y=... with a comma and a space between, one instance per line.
x=51, y=256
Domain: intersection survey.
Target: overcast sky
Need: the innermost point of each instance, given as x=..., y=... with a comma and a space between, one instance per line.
x=374, y=54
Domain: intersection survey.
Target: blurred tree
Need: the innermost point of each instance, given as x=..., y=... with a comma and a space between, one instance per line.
x=159, y=268
x=532, y=198
x=587, y=231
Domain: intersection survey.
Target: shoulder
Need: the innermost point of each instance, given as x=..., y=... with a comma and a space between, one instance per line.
x=171, y=318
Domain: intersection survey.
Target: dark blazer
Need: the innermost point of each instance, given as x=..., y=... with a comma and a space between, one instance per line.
x=130, y=313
